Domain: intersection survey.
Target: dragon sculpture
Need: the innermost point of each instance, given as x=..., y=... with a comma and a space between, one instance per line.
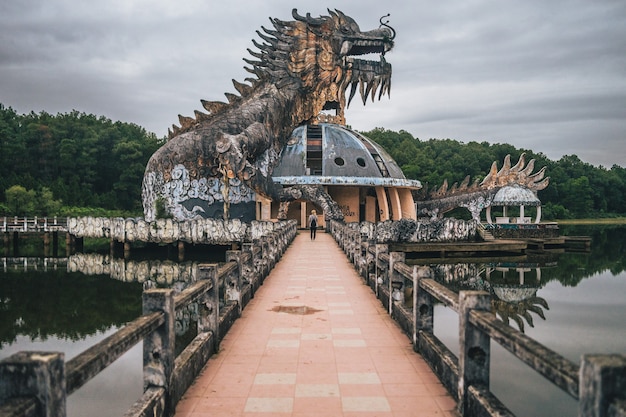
x=301, y=68
x=478, y=196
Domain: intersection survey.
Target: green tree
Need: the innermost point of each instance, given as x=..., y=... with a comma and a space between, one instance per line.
x=46, y=204
x=20, y=201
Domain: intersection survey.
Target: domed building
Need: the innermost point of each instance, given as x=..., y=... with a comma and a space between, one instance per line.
x=356, y=172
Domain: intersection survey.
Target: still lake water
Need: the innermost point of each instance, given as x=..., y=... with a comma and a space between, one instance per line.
x=573, y=303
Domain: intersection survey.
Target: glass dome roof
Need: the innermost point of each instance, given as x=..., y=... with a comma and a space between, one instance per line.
x=334, y=154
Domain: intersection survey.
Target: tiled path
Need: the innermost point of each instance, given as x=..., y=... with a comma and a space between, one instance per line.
x=314, y=341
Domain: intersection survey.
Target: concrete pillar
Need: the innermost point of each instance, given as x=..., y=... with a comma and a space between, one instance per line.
x=181, y=250
x=35, y=374
x=234, y=285
x=474, y=349
x=394, y=202
x=602, y=385
x=304, y=214
x=16, y=243
x=55, y=243
x=407, y=204
x=383, y=204
x=209, y=317
x=380, y=249
x=46, y=244
x=159, y=347
x=396, y=280
x=68, y=244
x=127, y=249
x=423, y=304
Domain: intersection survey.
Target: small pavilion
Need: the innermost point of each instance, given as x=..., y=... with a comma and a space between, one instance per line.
x=514, y=196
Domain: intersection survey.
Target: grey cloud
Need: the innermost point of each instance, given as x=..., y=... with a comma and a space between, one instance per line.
x=541, y=75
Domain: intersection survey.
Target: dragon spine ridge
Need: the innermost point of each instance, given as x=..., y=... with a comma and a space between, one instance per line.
x=302, y=67
x=479, y=195
x=270, y=64
x=520, y=174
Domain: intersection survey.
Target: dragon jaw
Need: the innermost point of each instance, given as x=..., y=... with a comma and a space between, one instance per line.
x=340, y=42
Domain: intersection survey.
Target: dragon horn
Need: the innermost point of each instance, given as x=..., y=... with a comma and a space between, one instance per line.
x=385, y=24
x=308, y=19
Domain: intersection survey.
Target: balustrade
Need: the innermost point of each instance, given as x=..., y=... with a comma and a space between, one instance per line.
x=598, y=383
x=37, y=383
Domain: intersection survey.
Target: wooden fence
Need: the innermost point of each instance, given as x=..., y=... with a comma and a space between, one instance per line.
x=36, y=384
x=598, y=382
x=33, y=224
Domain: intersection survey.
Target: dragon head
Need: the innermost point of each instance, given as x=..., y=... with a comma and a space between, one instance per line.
x=320, y=55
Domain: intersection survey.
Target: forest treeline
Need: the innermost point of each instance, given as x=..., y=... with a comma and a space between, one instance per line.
x=577, y=189
x=61, y=164
x=76, y=163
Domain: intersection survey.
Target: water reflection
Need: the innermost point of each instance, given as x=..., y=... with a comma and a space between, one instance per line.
x=515, y=284
x=571, y=302
x=67, y=305
x=513, y=287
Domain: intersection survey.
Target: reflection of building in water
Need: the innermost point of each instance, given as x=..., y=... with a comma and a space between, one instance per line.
x=151, y=273
x=24, y=264
x=163, y=273
x=515, y=291
x=513, y=287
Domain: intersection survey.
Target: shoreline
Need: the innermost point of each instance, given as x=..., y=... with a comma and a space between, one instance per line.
x=615, y=220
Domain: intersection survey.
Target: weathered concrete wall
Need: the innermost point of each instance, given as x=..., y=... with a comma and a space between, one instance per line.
x=444, y=230
x=202, y=231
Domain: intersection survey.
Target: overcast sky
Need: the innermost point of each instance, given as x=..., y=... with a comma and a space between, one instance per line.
x=549, y=76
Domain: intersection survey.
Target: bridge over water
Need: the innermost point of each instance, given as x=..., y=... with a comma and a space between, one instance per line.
x=314, y=339
x=328, y=333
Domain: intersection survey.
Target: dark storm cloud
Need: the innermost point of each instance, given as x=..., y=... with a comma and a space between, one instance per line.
x=546, y=76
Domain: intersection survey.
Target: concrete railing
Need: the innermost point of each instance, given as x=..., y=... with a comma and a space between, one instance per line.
x=598, y=383
x=37, y=383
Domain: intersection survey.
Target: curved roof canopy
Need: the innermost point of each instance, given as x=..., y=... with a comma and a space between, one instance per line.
x=514, y=195
x=331, y=154
x=514, y=294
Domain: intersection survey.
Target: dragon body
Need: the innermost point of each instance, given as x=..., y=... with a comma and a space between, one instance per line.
x=479, y=195
x=227, y=154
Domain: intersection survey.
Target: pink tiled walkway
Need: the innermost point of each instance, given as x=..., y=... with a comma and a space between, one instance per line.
x=314, y=341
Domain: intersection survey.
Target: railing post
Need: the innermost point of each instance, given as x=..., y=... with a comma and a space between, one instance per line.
x=396, y=280
x=158, y=347
x=35, y=374
x=233, y=287
x=474, y=348
x=262, y=254
x=249, y=273
x=602, y=382
x=380, y=249
x=209, y=318
x=423, y=305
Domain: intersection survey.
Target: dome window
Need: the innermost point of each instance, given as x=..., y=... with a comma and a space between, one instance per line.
x=339, y=161
x=361, y=162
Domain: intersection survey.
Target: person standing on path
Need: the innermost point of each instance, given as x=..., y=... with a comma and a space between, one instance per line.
x=313, y=223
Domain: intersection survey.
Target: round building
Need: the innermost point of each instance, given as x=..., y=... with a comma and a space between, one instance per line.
x=356, y=172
